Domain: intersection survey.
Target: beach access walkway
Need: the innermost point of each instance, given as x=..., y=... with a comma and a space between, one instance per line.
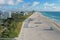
x=37, y=27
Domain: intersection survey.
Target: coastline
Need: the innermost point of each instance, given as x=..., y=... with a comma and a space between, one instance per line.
x=50, y=21
x=39, y=28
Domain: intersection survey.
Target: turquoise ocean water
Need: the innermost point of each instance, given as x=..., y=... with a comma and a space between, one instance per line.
x=54, y=16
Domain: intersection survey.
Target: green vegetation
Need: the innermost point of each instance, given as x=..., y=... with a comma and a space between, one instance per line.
x=12, y=25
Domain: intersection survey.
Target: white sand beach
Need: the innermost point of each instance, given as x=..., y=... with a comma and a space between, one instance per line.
x=38, y=27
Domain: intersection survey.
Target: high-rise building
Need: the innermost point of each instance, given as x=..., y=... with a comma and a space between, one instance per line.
x=5, y=15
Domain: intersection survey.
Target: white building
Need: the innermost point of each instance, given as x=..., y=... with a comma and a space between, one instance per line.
x=26, y=13
x=5, y=15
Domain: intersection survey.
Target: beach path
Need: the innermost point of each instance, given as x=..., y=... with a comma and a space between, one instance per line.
x=37, y=27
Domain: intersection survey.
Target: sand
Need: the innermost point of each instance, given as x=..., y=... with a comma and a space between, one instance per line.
x=39, y=29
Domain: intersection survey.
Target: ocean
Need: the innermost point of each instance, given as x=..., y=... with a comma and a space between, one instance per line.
x=54, y=16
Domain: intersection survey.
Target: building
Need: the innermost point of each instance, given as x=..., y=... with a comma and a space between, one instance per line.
x=0, y=14
x=5, y=15
x=26, y=13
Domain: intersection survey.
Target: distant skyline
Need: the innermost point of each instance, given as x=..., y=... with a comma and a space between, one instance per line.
x=38, y=5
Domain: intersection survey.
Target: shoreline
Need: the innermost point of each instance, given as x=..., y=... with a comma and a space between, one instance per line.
x=35, y=29
x=51, y=21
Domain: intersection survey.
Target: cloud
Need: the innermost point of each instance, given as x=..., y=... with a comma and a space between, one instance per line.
x=19, y=1
x=2, y=1
x=35, y=3
x=31, y=6
x=50, y=7
x=47, y=5
x=26, y=5
x=10, y=2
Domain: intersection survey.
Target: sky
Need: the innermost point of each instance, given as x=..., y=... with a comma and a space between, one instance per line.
x=38, y=5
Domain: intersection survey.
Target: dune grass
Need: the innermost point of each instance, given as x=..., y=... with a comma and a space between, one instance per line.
x=14, y=27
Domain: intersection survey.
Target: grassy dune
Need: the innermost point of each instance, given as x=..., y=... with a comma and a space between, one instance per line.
x=14, y=26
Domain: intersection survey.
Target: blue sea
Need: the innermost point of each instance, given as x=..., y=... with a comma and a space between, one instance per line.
x=54, y=16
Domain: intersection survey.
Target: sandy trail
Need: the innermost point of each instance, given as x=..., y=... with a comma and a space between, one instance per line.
x=39, y=29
